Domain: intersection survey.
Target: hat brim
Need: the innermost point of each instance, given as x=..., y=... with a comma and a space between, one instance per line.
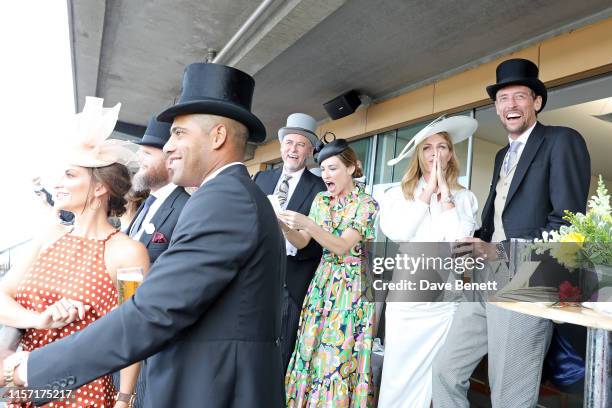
x=532, y=83
x=159, y=143
x=257, y=131
x=282, y=132
x=459, y=129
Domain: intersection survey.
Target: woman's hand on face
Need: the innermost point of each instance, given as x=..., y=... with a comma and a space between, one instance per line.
x=62, y=313
x=295, y=220
x=442, y=185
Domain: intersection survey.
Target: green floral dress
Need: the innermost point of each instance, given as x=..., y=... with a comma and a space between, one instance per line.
x=330, y=365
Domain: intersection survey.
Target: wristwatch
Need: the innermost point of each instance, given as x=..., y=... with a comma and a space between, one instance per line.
x=501, y=252
x=129, y=398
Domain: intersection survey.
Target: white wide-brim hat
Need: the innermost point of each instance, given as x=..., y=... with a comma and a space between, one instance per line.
x=459, y=128
x=301, y=124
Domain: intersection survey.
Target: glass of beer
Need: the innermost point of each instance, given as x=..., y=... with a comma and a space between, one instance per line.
x=128, y=280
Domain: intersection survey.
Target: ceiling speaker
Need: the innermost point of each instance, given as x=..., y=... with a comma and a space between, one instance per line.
x=342, y=105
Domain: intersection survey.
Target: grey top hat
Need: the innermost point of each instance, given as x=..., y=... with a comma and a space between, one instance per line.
x=301, y=124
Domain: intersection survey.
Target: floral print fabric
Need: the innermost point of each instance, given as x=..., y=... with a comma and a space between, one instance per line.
x=330, y=365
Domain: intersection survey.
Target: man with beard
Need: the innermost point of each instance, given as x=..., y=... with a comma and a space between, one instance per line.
x=543, y=171
x=207, y=317
x=156, y=218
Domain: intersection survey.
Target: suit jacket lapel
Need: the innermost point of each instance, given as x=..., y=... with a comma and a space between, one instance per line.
x=529, y=151
x=276, y=174
x=499, y=159
x=160, y=215
x=135, y=218
x=301, y=191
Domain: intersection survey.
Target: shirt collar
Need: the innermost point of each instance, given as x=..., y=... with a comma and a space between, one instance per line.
x=163, y=193
x=523, y=137
x=295, y=175
x=219, y=170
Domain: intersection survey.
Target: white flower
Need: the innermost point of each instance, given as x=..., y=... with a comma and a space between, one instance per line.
x=149, y=228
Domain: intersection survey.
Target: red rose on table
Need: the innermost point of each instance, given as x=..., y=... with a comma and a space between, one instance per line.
x=159, y=238
x=569, y=292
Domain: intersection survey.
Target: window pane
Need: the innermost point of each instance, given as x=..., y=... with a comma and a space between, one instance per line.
x=362, y=148
x=384, y=152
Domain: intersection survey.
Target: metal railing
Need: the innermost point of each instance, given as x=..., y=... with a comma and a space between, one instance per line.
x=9, y=255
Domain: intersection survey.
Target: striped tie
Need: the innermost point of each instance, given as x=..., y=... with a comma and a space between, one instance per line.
x=283, y=190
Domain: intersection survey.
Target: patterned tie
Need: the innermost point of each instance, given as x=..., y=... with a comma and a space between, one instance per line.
x=283, y=190
x=512, y=155
x=141, y=215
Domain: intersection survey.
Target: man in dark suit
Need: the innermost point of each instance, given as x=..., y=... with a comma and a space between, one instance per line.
x=296, y=187
x=543, y=171
x=208, y=314
x=156, y=218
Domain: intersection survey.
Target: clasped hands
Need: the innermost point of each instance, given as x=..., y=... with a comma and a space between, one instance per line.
x=60, y=314
x=437, y=182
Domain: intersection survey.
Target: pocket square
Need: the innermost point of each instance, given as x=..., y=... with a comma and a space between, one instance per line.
x=159, y=238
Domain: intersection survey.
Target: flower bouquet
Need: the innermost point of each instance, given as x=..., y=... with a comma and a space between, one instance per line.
x=586, y=243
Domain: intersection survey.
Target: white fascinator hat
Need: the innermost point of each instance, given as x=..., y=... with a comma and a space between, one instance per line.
x=89, y=144
x=458, y=127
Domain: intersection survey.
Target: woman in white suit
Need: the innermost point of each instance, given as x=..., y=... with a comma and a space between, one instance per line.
x=429, y=206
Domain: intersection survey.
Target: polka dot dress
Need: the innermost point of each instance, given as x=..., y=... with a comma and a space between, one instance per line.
x=72, y=267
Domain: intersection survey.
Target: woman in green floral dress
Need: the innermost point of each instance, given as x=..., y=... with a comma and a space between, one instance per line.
x=330, y=365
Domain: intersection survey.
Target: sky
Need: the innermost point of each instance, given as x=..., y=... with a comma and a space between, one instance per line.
x=36, y=105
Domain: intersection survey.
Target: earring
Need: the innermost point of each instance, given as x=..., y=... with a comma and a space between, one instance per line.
x=95, y=204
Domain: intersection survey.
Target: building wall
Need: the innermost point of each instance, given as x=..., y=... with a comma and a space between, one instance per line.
x=563, y=59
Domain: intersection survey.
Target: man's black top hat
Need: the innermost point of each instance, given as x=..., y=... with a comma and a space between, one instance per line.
x=518, y=71
x=156, y=135
x=217, y=90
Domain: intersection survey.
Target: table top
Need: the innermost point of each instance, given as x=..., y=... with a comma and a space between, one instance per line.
x=567, y=314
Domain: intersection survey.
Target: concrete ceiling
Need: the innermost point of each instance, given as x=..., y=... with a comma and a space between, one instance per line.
x=301, y=52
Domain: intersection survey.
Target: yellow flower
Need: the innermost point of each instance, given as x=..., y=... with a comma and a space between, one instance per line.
x=565, y=252
x=573, y=237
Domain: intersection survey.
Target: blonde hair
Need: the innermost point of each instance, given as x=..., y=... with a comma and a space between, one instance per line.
x=414, y=172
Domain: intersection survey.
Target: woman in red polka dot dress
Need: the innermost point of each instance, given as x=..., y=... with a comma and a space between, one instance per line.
x=70, y=279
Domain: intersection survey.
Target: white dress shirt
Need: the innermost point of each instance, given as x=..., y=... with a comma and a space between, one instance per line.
x=293, y=182
x=404, y=220
x=160, y=196
x=219, y=170
x=523, y=139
